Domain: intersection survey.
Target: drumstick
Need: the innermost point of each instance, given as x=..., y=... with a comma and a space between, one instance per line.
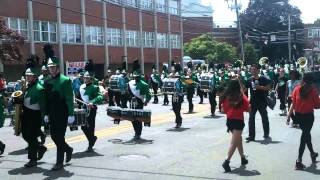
x=87, y=104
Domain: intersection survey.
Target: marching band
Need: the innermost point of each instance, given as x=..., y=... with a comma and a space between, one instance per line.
x=49, y=100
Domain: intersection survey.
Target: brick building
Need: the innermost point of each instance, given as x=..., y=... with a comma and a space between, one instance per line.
x=107, y=31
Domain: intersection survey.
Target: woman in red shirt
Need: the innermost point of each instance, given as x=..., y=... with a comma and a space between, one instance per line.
x=234, y=103
x=305, y=99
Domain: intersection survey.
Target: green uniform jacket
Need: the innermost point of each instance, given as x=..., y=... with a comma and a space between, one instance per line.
x=93, y=93
x=144, y=89
x=62, y=87
x=36, y=93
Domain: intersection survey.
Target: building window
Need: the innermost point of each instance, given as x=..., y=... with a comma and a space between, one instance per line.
x=148, y=39
x=175, y=41
x=316, y=44
x=173, y=7
x=94, y=35
x=19, y=25
x=309, y=32
x=315, y=33
x=132, y=38
x=162, y=40
x=44, y=31
x=114, y=37
x=132, y=3
x=114, y=1
x=71, y=33
x=147, y=4
x=161, y=6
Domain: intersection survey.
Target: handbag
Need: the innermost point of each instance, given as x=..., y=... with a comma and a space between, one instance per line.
x=271, y=99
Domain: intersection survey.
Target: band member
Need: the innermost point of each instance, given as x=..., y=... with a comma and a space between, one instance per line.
x=33, y=111
x=163, y=76
x=177, y=99
x=281, y=91
x=235, y=103
x=2, y=145
x=190, y=83
x=212, y=93
x=155, y=83
x=59, y=110
x=259, y=87
x=200, y=92
x=44, y=75
x=91, y=95
x=305, y=99
x=139, y=96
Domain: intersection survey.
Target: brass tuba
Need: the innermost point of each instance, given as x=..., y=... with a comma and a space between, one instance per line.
x=263, y=61
x=303, y=62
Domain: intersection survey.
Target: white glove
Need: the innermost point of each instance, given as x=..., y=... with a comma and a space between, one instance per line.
x=71, y=119
x=46, y=119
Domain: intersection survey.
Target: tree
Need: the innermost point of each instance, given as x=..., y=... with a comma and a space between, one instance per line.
x=10, y=43
x=265, y=18
x=317, y=22
x=205, y=47
x=250, y=53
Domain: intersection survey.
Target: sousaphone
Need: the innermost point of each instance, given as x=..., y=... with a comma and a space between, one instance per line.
x=17, y=99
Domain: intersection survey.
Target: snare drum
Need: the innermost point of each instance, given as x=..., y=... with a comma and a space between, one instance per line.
x=80, y=116
x=136, y=114
x=205, y=82
x=114, y=83
x=169, y=85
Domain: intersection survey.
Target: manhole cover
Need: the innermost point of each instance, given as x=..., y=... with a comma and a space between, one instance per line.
x=132, y=157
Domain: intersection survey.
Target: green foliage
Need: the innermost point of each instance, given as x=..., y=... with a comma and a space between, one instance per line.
x=250, y=53
x=317, y=22
x=205, y=47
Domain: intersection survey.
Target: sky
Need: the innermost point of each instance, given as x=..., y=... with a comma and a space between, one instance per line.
x=223, y=16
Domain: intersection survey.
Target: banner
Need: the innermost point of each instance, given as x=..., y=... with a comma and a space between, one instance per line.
x=74, y=67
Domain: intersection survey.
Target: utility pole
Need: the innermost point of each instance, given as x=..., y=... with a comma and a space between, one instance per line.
x=237, y=7
x=289, y=37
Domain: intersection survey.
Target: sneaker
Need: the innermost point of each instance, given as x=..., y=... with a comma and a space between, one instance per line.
x=31, y=164
x=226, y=166
x=314, y=157
x=69, y=155
x=244, y=161
x=299, y=165
x=57, y=167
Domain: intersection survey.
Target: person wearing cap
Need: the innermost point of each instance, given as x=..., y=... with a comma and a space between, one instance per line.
x=59, y=111
x=177, y=99
x=91, y=95
x=33, y=112
x=140, y=96
x=155, y=83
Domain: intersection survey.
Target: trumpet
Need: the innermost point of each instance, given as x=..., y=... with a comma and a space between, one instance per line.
x=263, y=61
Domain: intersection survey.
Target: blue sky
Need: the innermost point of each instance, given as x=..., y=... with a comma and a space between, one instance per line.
x=224, y=16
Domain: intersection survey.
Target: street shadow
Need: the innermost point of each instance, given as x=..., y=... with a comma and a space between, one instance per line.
x=313, y=169
x=51, y=175
x=242, y=171
x=268, y=141
x=193, y=112
x=19, y=152
x=131, y=141
x=85, y=154
x=26, y=171
x=212, y=117
x=177, y=129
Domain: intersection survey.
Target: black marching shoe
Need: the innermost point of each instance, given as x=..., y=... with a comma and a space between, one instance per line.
x=136, y=137
x=299, y=165
x=57, y=167
x=226, y=166
x=91, y=144
x=178, y=125
x=69, y=155
x=314, y=156
x=2, y=147
x=248, y=139
x=244, y=161
x=30, y=164
x=42, y=150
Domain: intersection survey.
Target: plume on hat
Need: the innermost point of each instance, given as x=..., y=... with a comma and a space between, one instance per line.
x=48, y=53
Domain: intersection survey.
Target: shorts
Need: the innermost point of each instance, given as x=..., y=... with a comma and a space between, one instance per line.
x=235, y=124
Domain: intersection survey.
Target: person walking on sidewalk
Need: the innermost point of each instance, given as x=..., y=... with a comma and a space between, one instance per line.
x=305, y=99
x=234, y=104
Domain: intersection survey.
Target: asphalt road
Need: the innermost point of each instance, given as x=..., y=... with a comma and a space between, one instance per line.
x=196, y=151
